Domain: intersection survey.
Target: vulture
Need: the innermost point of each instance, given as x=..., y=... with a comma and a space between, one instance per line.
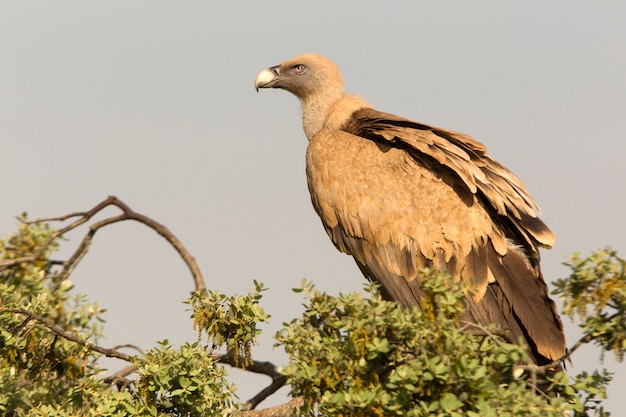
x=398, y=195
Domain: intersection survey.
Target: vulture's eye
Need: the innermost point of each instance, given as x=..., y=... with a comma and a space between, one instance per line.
x=298, y=69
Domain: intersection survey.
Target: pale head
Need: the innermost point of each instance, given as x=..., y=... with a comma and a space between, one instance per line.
x=304, y=76
x=314, y=79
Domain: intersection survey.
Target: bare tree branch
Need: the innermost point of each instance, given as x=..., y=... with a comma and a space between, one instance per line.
x=129, y=346
x=85, y=216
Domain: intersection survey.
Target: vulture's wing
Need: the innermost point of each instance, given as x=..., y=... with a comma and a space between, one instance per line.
x=399, y=196
x=465, y=157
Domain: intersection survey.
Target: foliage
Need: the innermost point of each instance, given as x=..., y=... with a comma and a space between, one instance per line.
x=231, y=321
x=595, y=291
x=38, y=366
x=349, y=355
x=356, y=356
x=42, y=373
x=184, y=381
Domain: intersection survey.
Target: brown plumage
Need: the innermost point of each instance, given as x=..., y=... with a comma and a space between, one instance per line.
x=399, y=195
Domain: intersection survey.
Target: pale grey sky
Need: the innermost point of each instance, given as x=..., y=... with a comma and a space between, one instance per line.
x=153, y=101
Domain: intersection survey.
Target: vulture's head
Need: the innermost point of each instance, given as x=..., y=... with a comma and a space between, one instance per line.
x=307, y=76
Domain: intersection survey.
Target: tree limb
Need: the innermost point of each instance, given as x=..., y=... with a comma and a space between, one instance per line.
x=119, y=378
x=290, y=409
x=111, y=353
x=85, y=216
x=129, y=346
x=266, y=368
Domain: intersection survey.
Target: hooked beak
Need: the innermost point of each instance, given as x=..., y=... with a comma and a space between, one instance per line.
x=267, y=78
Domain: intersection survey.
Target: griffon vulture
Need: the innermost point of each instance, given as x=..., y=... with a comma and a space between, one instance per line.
x=399, y=195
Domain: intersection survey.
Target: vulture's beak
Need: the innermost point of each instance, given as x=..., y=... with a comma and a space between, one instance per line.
x=267, y=78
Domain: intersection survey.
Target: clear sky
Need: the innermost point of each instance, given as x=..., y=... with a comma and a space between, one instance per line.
x=153, y=101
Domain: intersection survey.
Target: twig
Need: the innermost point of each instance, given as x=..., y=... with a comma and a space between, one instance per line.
x=85, y=216
x=57, y=330
x=265, y=368
x=496, y=336
x=119, y=378
x=290, y=409
x=560, y=361
x=532, y=369
x=130, y=346
x=582, y=341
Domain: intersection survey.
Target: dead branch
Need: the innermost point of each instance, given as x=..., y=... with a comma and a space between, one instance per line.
x=85, y=216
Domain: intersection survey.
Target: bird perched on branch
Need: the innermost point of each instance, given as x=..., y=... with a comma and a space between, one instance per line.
x=399, y=195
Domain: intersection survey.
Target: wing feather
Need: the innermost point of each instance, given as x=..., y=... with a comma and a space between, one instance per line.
x=464, y=156
x=399, y=196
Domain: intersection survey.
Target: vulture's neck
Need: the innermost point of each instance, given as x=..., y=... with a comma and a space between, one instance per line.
x=328, y=111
